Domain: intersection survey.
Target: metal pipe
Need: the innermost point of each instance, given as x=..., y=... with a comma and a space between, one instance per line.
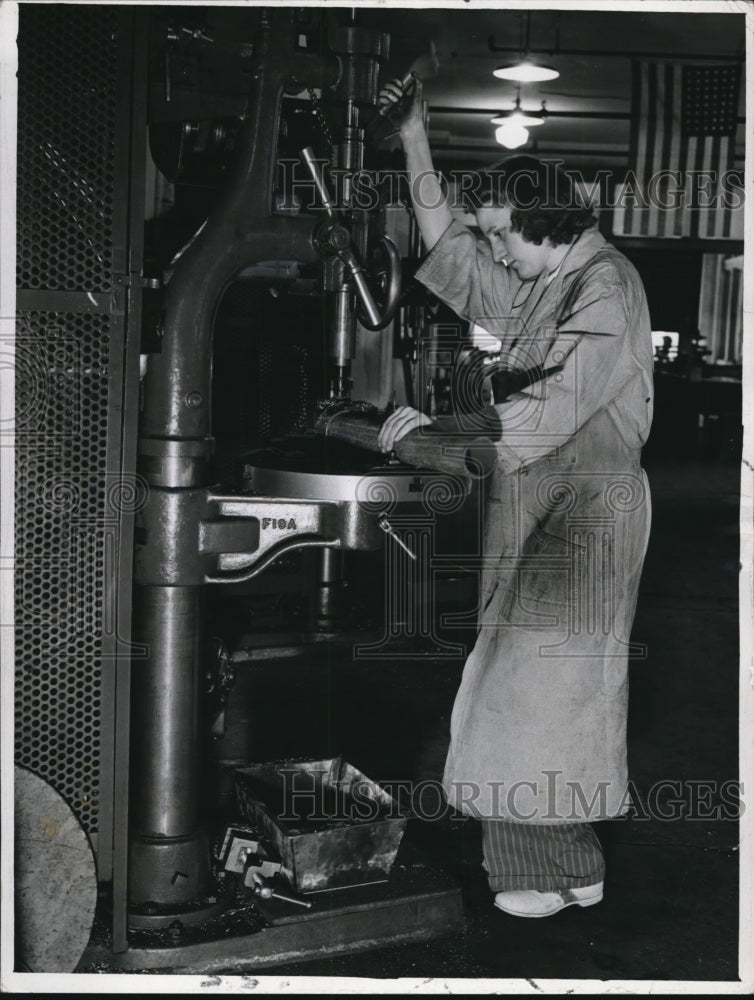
x=342, y=338
x=165, y=711
x=329, y=601
x=169, y=851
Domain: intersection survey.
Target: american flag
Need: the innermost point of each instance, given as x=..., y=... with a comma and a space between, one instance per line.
x=683, y=137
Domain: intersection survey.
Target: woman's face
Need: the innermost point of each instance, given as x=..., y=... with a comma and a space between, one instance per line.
x=527, y=259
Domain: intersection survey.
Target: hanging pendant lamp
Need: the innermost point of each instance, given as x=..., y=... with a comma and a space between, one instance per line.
x=526, y=70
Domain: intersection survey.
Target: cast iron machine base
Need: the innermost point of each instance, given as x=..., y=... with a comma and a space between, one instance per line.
x=417, y=904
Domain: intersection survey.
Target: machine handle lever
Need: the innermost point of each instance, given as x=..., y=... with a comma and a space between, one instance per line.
x=389, y=530
x=264, y=890
x=348, y=255
x=356, y=271
x=307, y=155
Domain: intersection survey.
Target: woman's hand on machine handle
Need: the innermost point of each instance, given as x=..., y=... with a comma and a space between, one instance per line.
x=431, y=209
x=412, y=117
x=399, y=424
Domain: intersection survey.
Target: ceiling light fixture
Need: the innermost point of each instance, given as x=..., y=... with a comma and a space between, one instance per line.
x=526, y=70
x=512, y=136
x=517, y=116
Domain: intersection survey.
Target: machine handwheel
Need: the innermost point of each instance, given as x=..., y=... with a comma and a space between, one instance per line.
x=385, y=284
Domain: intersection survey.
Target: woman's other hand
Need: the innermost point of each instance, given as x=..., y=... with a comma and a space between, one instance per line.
x=399, y=424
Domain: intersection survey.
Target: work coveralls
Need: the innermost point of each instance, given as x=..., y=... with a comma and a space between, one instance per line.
x=538, y=730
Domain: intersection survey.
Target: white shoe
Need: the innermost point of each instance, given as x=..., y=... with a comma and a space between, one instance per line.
x=532, y=903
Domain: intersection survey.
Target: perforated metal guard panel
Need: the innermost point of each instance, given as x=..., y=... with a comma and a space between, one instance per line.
x=68, y=344
x=61, y=522
x=67, y=88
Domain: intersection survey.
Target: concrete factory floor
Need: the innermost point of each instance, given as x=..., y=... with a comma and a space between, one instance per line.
x=671, y=894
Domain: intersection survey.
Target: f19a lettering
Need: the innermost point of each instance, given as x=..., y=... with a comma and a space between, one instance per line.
x=279, y=523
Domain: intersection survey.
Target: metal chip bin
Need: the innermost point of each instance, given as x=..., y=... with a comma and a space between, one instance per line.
x=331, y=825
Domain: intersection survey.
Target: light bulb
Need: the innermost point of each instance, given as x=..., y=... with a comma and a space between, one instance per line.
x=526, y=72
x=511, y=136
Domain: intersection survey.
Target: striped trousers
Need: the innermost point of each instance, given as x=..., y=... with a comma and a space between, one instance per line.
x=541, y=856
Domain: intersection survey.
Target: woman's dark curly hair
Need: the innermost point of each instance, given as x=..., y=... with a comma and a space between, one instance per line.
x=542, y=196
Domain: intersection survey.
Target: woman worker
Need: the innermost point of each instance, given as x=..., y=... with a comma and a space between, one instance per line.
x=538, y=729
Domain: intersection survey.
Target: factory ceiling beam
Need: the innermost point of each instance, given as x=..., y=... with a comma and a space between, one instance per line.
x=624, y=53
x=535, y=147
x=441, y=109
x=495, y=150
